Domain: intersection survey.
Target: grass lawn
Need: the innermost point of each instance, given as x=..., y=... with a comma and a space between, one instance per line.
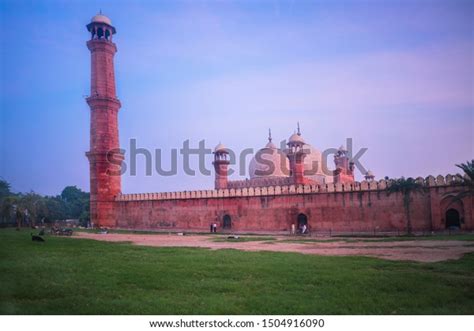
x=78, y=276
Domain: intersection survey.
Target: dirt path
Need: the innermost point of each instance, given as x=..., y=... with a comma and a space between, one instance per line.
x=421, y=250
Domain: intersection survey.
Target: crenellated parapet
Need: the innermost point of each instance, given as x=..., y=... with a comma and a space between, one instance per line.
x=380, y=185
x=260, y=182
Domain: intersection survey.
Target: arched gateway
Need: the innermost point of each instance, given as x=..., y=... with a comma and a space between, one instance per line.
x=227, y=222
x=302, y=220
x=453, y=219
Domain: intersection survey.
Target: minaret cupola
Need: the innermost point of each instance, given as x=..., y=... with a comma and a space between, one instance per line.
x=101, y=27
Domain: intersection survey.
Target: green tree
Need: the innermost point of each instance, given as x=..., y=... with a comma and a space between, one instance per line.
x=8, y=209
x=84, y=218
x=55, y=209
x=16, y=208
x=406, y=187
x=4, y=189
x=33, y=207
x=7, y=202
x=466, y=181
x=76, y=201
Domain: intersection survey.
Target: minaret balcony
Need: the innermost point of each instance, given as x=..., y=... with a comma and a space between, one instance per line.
x=102, y=101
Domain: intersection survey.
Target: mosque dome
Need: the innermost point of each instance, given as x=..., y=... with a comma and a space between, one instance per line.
x=313, y=160
x=270, y=154
x=281, y=165
x=313, y=165
x=99, y=18
x=271, y=145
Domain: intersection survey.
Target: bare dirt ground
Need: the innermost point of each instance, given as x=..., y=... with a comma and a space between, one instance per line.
x=420, y=251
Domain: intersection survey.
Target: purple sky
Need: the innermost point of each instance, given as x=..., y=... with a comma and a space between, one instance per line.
x=395, y=76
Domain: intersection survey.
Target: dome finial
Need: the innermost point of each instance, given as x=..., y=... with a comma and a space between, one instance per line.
x=298, y=126
x=269, y=135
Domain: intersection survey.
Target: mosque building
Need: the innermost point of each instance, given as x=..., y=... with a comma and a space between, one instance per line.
x=287, y=186
x=298, y=164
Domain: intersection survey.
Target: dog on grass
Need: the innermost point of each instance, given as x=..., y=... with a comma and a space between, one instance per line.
x=36, y=238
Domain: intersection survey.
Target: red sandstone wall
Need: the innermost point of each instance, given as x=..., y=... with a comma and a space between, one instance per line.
x=341, y=211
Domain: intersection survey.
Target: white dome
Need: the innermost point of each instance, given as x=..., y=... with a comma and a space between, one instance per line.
x=312, y=160
x=220, y=148
x=271, y=145
x=99, y=18
x=281, y=164
x=313, y=165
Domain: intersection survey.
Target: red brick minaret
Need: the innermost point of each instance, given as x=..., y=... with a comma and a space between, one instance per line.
x=344, y=172
x=104, y=155
x=296, y=155
x=221, y=164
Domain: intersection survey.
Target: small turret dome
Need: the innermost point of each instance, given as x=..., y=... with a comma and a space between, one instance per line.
x=99, y=18
x=296, y=138
x=369, y=176
x=341, y=152
x=220, y=148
